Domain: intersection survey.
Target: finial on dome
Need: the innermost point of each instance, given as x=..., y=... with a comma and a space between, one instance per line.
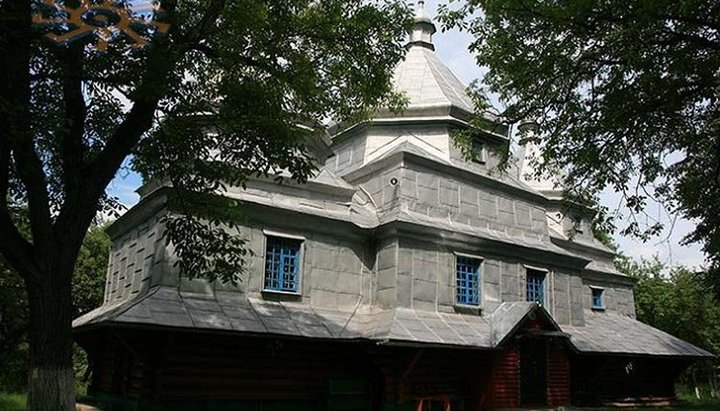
x=423, y=29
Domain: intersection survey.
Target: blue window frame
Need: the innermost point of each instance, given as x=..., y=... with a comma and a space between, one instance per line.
x=597, y=298
x=467, y=280
x=282, y=264
x=535, y=286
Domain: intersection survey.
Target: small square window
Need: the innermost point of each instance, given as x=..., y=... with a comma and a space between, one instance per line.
x=282, y=264
x=478, y=151
x=467, y=280
x=597, y=298
x=578, y=225
x=535, y=286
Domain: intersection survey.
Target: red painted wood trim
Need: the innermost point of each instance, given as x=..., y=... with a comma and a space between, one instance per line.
x=504, y=386
x=558, y=377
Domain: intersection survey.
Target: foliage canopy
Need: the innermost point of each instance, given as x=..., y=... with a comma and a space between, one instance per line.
x=623, y=95
x=234, y=89
x=88, y=283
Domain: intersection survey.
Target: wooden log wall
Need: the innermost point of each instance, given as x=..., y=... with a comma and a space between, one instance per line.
x=172, y=367
x=598, y=380
x=137, y=364
x=192, y=366
x=558, y=376
x=121, y=363
x=416, y=376
x=503, y=389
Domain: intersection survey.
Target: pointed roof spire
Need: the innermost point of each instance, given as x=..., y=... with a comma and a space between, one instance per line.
x=423, y=29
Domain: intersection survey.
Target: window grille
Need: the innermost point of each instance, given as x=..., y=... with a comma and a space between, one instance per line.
x=597, y=298
x=535, y=286
x=467, y=280
x=282, y=264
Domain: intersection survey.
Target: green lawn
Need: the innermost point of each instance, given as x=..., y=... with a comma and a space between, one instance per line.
x=16, y=402
x=12, y=402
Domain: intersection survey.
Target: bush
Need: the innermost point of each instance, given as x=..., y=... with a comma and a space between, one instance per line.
x=12, y=402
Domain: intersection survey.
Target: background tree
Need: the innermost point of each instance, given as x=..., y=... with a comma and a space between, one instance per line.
x=675, y=300
x=678, y=301
x=13, y=331
x=623, y=95
x=88, y=288
x=234, y=88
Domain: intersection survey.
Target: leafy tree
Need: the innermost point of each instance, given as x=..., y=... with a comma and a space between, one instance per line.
x=675, y=300
x=88, y=285
x=13, y=331
x=622, y=95
x=678, y=301
x=234, y=88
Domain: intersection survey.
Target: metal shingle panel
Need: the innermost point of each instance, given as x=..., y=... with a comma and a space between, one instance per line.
x=427, y=81
x=608, y=332
x=505, y=318
x=603, y=333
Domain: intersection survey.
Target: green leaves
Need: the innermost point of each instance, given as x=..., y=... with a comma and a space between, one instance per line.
x=236, y=89
x=253, y=92
x=675, y=300
x=87, y=284
x=204, y=231
x=625, y=95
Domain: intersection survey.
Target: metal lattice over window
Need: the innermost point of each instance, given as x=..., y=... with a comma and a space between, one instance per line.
x=535, y=286
x=282, y=264
x=597, y=298
x=467, y=280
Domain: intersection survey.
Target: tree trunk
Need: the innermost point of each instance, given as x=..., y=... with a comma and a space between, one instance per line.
x=51, y=383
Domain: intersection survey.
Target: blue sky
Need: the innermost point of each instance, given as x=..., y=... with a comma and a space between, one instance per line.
x=452, y=49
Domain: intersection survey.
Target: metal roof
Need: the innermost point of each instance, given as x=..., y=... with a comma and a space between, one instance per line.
x=607, y=332
x=430, y=86
x=428, y=82
x=165, y=307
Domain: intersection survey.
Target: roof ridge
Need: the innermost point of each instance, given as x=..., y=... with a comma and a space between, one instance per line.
x=436, y=64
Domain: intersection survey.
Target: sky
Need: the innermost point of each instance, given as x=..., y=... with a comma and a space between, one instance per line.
x=452, y=48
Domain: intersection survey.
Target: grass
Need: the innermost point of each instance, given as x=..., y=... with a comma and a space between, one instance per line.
x=686, y=395
x=12, y=402
x=16, y=402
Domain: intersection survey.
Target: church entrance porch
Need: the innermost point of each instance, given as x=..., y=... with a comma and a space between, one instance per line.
x=531, y=367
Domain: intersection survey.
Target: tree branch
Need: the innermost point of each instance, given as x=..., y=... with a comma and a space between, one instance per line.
x=695, y=20
x=16, y=250
x=4, y=172
x=147, y=96
x=202, y=28
x=137, y=122
x=690, y=38
x=71, y=145
x=15, y=82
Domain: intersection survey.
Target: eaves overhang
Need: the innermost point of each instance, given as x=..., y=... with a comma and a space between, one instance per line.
x=608, y=277
x=543, y=254
x=165, y=308
x=583, y=247
x=151, y=204
x=556, y=200
x=439, y=115
x=445, y=168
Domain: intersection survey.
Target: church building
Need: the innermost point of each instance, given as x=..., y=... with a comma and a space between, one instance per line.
x=403, y=276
